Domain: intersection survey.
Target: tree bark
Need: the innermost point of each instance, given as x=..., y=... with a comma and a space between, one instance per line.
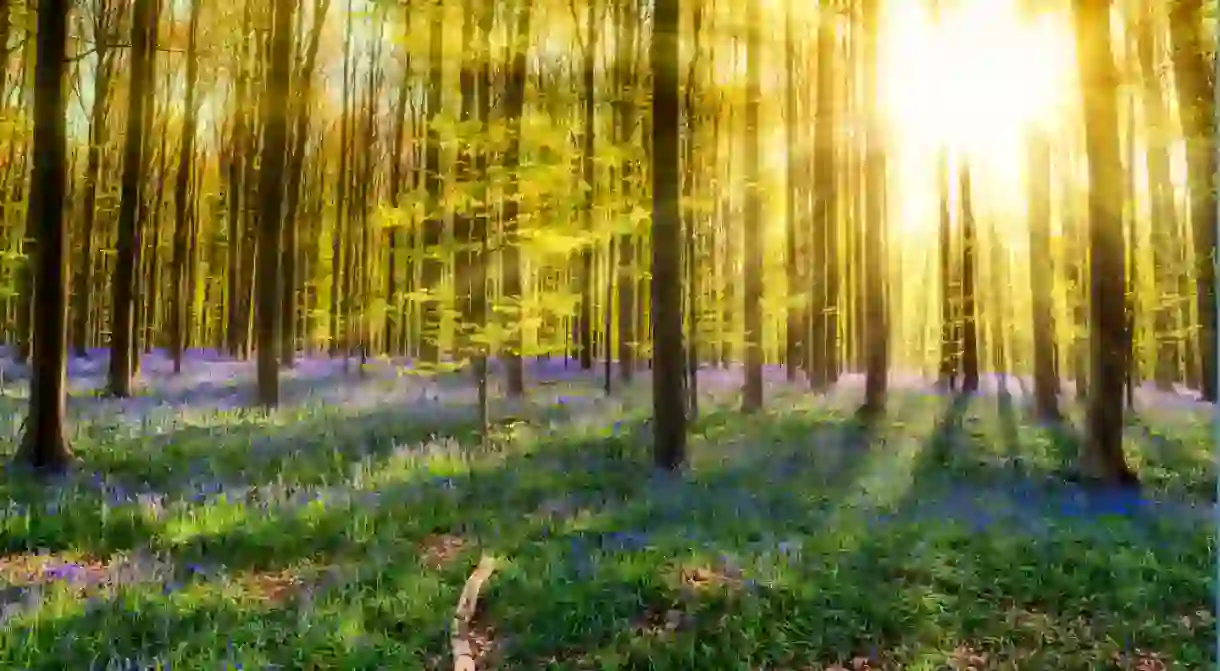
x=123, y=298
x=43, y=445
x=669, y=430
x=178, y=325
x=1046, y=380
x=1102, y=455
x=752, y=229
x=1196, y=106
x=271, y=193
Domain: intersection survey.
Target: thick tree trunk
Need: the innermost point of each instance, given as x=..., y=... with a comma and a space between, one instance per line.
x=877, y=324
x=1102, y=455
x=669, y=430
x=44, y=446
x=271, y=193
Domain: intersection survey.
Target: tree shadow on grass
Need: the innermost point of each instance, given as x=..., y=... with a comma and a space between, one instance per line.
x=109, y=503
x=817, y=570
x=385, y=620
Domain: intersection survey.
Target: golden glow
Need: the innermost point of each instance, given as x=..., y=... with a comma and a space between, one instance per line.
x=974, y=80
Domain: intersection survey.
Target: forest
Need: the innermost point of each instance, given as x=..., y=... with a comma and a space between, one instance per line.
x=608, y=334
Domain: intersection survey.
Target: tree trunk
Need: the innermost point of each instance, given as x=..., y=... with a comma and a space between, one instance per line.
x=877, y=324
x=796, y=340
x=123, y=298
x=624, y=72
x=824, y=312
x=44, y=446
x=98, y=138
x=1163, y=216
x=669, y=429
x=434, y=224
x=752, y=228
x=585, y=320
x=1046, y=381
x=949, y=322
x=1102, y=457
x=1196, y=106
x=178, y=325
x=970, y=324
x=514, y=107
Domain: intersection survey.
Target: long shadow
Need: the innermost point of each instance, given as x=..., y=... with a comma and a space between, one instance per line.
x=587, y=512
x=1172, y=456
x=92, y=511
x=1034, y=497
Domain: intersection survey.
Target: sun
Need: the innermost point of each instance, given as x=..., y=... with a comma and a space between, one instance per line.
x=976, y=79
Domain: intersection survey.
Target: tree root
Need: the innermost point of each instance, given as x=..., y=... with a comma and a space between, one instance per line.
x=459, y=638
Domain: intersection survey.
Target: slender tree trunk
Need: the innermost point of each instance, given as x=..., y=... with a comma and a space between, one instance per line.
x=795, y=341
x=949, y=326
x=434, y=225
x=1046, y=381
x=1163, y=216
x=1196, y=105
x=970, y=323
x=752, y=230
x=296, y=171
x=237, y=191
x=585, y=320
x=514, y=107
x=98, y=137
x=624, y=72
x=824, y=313
x=123, y=297
x=178, y=325
x=394, y=324
x=338, y=294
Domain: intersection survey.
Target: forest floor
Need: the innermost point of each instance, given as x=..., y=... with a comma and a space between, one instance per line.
x=339, y=531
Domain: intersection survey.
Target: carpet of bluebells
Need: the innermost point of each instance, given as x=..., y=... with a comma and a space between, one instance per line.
x=338, y=531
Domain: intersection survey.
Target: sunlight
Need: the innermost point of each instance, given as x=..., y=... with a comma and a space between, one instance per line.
x=975, y=79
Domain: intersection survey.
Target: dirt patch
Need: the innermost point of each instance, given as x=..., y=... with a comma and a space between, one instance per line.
x=695, y=579
x=271, y=587
x=81, y=572
x=439, y=550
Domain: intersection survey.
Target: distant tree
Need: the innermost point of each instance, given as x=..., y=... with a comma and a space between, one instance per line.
x=179, y=298
x=1163, y=217
x=752, y=231
x=969, y=313
x=514, y=107
x=143, y=29
x=1196, y=84
x=1046, y=378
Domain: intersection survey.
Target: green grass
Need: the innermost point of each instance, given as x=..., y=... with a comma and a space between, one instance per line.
x=326, y=538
